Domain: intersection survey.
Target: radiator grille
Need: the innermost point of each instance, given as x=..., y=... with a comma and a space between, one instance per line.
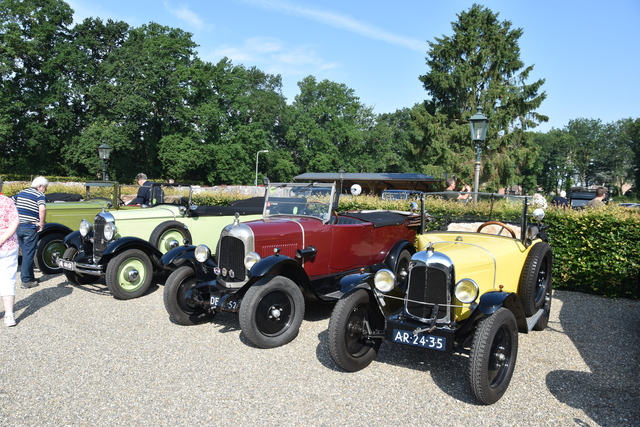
x=427, y=285
x=99, y=242
x=231, y=258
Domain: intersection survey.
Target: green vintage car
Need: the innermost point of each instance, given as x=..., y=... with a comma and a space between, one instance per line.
x=125, y=247
x=64, y=213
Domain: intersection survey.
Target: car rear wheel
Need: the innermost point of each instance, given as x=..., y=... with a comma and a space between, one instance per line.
x=48, y=248
x=493, y=356
x=183, y=300
x=535, y=282
x=348, y=346
x=168, y=235
x=129, y=274
x=74, y=278
x=271, y=312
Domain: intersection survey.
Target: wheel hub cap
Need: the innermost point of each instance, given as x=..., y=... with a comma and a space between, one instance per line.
x=275, y=312
x=132, y=275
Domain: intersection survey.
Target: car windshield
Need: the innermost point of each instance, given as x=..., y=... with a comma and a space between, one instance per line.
x=315, y=200
x=449, y=211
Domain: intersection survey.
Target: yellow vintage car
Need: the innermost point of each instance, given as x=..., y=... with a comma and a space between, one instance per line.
x=481, y=275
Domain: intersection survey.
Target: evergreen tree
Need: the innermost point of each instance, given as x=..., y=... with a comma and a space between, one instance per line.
x=479, y=66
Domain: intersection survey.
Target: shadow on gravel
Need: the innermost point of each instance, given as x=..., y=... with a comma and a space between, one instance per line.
x=41, y=298
x=100, y=288
x=606, y=333
x=445, y=368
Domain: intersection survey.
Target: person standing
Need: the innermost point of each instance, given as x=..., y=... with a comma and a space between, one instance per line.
x=9, y=221
x=561, y=200
x=32, y=207
x=598, y=201
x=454, y=195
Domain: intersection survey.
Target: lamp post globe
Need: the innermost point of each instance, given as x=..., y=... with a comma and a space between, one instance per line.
x=478, y=124
x=104, y=151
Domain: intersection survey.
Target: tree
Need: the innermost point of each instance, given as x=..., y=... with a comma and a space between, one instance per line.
x=31, y=87
x=479, y=66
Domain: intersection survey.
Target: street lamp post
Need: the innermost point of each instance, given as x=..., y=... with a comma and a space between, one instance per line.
x=255, y=183
x=478, y=123
x=104, y=151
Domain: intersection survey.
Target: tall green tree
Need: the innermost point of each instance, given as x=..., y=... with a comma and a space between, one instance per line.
x=31, y=87
x=479, y=66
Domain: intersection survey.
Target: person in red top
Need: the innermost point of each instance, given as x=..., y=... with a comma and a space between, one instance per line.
x=9, y=221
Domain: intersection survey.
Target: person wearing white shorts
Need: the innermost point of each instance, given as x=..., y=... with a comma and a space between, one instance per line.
x=9, y=221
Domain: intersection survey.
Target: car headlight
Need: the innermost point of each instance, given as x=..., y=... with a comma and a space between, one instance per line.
x=251, y=259
x=110, y=231
x=466, y=291
x=202, y=253
x=85, y=228
x=384, y=280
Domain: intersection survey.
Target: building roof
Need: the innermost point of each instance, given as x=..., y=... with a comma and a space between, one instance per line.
x=376, y=182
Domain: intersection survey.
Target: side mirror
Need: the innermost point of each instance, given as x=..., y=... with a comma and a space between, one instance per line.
x=413, y=206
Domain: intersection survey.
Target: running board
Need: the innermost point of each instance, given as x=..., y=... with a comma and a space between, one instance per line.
x=531, y=321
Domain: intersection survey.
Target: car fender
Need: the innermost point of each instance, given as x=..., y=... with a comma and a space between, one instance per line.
x=396, y=250
x=353, y=281
x=179, y=253
x=75, y=239
x=278, y=265
x=130, y=242
x=490, y=302
x=54, y=227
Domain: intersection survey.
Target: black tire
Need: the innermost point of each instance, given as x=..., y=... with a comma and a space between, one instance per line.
x=48, y=246
x=493, y=356
x=347, y=347
x=535, y=281
x=402, y=268
x=129, y=274
x=166, y=234
x=180, y=292
x=73, y=277
x=271, y=312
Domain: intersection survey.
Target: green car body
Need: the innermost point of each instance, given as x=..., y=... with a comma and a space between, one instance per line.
x=125, y=247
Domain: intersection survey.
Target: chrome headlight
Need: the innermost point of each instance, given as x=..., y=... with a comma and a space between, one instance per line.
x=251, y=259
x=466, y=291
x=384, y=280
x=110, y=231
x=202, y=253
x=85, y=228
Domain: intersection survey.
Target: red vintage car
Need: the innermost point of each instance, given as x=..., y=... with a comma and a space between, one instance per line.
x=264, y=269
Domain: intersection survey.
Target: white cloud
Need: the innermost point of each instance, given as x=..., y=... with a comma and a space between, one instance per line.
x=341, y=21
x=185, y=14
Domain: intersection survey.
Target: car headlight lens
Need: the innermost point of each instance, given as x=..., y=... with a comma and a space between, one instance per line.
x=251, y=259
x=110, y=231
x=85, y=228
x=384, y=280
x=202, y=253
x=466, y=291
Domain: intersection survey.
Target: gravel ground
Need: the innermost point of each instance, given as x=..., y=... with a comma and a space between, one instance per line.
x=79, y=357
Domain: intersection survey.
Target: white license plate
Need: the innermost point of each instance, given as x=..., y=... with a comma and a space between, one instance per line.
x=67, y=265
x=419, y=340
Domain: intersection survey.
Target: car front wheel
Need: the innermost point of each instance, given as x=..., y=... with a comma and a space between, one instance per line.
x=74, y=278
x=183, y=300
x=271, y=312
x=493, y=356
x=129, y=274
x=348, y=345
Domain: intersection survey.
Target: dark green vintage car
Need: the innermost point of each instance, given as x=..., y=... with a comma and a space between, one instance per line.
x=64, y=213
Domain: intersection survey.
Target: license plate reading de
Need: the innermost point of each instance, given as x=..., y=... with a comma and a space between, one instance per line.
x=425, y=341
x=230, y=305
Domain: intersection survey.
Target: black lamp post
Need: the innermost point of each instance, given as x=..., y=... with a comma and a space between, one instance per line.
x=478, y=123
x=104, y=151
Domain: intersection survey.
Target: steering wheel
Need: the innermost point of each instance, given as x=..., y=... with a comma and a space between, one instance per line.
x=500, y=224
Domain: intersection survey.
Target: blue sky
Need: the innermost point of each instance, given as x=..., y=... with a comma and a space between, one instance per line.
x=588, y=51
